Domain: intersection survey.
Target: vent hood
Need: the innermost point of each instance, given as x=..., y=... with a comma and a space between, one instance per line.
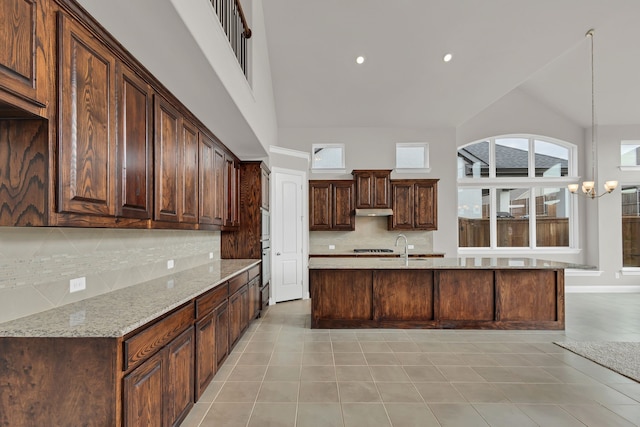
x=374, y=212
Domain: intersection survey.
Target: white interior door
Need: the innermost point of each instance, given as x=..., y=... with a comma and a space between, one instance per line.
x=287, y=235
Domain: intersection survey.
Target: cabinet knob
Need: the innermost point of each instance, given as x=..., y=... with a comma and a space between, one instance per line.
x=278, y=253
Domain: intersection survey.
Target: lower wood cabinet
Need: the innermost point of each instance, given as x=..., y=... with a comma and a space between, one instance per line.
x=150, y=377
x=437, y=298
x=160, y=391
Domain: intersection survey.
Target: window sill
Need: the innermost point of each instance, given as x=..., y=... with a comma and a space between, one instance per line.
x=630, y=271
x=416, y=170
x=629, y=168
x=328, y=171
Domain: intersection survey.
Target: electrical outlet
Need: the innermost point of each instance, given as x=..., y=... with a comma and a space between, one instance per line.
x=79, y=284
x=332, y=246
x=210, y=255
x=410, y=246
x=170, y=264
x=170, y=284
x=617, y=275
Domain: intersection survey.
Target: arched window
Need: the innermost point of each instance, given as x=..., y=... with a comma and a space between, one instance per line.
x=512, y=193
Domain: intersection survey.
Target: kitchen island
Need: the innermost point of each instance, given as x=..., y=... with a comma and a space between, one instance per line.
x=438, y=293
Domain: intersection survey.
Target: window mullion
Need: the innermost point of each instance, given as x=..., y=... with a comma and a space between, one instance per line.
x=493, y=222
x=533, y=215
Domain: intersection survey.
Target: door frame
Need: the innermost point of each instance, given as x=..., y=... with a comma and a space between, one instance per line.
x=305, y=228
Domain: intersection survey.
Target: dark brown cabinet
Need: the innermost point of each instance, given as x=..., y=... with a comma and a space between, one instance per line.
x=135, y=137
x=340, y=295
x=402, y=295
x=254, y=299
x=160, y=391
x=331, y=205
x=237, y=314
x=87, y=143
x=222, y=333
x=168, y=190
x=188, y=177
x=245, y=242
x=23, y=58
x=415, y=205
x=207, y=180
x=220, y=198
x=372, y=189
x=232, y=194
x=205, y=353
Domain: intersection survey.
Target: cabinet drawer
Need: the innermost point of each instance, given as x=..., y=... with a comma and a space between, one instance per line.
x=142, y=345
x=207, y=302
x=254, y=272
x=237, y=282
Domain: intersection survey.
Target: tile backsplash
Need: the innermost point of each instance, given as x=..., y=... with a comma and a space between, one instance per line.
x=37, y=263
x=370, y=232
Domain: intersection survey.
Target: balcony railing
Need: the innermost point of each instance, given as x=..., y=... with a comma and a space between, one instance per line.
x=235, y=26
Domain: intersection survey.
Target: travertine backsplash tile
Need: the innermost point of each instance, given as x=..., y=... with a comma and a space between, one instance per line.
x=36, y=264
x=370, y=232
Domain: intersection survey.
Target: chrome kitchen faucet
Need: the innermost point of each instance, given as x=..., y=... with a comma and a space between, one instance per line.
x=406, y=248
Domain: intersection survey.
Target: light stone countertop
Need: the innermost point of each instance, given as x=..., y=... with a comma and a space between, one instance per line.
x=318, y=263
x=117, y=313
x=396, y=252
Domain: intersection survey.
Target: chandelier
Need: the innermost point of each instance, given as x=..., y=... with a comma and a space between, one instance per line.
x=588, y=187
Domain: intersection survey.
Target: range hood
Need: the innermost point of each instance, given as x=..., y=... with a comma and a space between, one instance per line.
x=374, y=212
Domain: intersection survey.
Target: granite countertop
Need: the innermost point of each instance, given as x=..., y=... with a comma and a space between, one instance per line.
x=438, y=263
x=117, y=313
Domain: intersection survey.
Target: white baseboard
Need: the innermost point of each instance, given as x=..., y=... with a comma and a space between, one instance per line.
x=602, y=289
x=306, y=296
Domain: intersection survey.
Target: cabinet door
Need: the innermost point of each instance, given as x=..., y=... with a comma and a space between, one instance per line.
x=403, y=205
x=343, y=202
x=21, y=33
x=232, y=187
x=87, y=143
x=319, y=205
x=254, y=299
x=207, y=180
x=426, y=206
x=264, y=184
x=402, y=295
x=237, y=314
x=142, y=394
x=205, y=353
x=222, y=333
x=188, y=177
x=219, y=190
x=135, y=106
x=372, y=188
x=179, y=384
x=167, y=158
x=341, y=294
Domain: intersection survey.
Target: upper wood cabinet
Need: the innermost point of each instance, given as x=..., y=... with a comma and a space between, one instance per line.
x=23, y=57
x=232, y=193
x=220, y=204
x=135, y=136
x=331, y=205
x=87, y=142
x=188, y=177
x=372, y=189
x=415, y=204
x=168, y=190
x=207, y=180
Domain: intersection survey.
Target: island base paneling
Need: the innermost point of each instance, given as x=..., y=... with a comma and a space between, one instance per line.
x=437, y=298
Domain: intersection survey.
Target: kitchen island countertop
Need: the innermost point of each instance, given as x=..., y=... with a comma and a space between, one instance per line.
x=439, y=263
x=119, y=312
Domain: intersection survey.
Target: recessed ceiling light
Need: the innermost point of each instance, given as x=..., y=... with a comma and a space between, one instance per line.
x=359, y=59
x=448, y=57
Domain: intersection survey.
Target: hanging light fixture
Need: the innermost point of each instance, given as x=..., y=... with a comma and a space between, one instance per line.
x=588, y=187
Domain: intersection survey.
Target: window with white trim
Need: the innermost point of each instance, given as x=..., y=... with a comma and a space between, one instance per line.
x=630, y=153
x=327, y=157
x=412, y=156
x=512, y=193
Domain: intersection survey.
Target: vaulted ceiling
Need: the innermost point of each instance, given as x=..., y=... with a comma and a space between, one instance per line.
x=538, y=46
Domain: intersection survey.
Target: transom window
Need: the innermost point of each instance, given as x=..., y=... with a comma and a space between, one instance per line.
x=412, y=156
x=512, y=193
x=327, y=156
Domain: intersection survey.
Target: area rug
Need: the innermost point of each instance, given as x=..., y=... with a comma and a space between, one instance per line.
x=622, y=357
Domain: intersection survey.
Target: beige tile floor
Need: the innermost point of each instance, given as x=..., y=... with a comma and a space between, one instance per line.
x=284, y=374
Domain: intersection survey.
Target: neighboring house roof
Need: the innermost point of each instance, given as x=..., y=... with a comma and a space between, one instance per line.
x=508, y=157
